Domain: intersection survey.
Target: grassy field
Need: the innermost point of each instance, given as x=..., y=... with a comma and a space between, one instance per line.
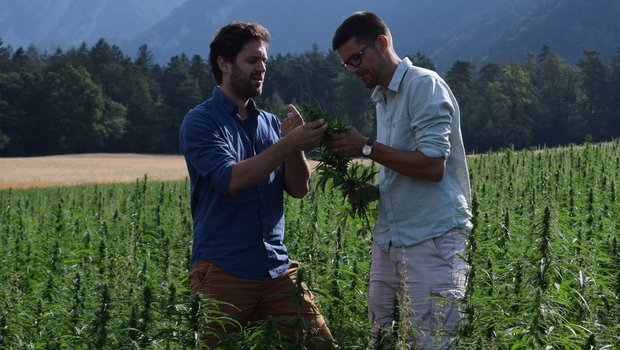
x=104, y=266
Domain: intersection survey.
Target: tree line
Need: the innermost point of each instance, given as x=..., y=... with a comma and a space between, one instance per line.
x=98, y=99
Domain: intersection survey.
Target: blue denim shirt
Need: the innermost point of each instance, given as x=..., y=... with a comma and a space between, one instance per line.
x=241, y=233
x=419, y=112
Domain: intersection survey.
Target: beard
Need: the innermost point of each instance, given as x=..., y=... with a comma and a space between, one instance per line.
x=368, y=78
x=243, y=85
x=371, y=83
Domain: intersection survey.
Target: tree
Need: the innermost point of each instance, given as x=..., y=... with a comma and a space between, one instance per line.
x=18, y=116
x=201, y=72
x=130, y=86
x=421, y=60
x=144, y=60
x=180, y=92
x=180, y=89
x=321, y=72
x=4, y=118
x=487, y=74
x=4, y=139
x=353, y=104
x=114, y=122
x=460, y=80
x=109, y=68
x=511, y=98
x=290, y=76
x=275, y=104
x=559, y=101
x=595, y=79
x=79, y=57
x=615, y=95
x=77, y=118
x=5, y=57
x=144, y=127
x=475, y=123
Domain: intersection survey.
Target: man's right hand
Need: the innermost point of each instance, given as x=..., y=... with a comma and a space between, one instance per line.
x=306, y=136
x=364, y=193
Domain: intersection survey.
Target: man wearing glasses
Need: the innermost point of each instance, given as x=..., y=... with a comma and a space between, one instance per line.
x=424, y=195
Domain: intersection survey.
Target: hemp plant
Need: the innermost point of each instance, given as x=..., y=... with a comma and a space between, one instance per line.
x=344, y=174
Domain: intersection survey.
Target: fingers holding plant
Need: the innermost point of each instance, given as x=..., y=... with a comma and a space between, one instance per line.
x=363, y=193
x=306, y=136
x=293, y=120
x=336, y=166
x=315, y=133
x=348, y=143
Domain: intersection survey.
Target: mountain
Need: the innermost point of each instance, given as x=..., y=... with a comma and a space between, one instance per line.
x=48, y=24
x=417, y=26
x=568, y=26
x=477, y=30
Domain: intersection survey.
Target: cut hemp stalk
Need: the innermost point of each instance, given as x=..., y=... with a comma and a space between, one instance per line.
x=345, y=174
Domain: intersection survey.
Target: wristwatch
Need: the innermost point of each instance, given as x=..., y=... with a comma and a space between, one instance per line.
x=367, y=149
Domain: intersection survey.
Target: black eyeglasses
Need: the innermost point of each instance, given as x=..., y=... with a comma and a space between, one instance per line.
x=356, y=59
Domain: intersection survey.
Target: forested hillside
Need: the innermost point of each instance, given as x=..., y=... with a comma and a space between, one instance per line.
x=508, y=32
x=98, y=99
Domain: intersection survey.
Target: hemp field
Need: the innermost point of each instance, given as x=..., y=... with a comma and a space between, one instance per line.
x=104, y=266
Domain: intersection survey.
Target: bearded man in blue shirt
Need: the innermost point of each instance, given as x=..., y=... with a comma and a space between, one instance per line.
x=424, y=191
x=240, y=161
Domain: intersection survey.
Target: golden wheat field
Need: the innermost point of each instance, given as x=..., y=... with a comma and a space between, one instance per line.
x=66, y=170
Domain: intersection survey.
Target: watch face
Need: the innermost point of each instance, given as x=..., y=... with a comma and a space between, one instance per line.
x=366, y=150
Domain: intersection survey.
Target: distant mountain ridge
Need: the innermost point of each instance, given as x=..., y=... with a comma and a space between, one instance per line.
x=478, y=30
x=418, y=26
x=47, y=24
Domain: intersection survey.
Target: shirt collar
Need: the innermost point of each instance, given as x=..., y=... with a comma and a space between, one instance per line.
x=229, y=106
x=397, y=78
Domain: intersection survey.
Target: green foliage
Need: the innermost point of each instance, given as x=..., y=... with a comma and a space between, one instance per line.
x=340, y=172
x=105, y=266
x=421, y=60
x=3, y=140
x=542, y=248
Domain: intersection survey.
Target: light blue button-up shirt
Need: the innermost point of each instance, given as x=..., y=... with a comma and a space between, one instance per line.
x=418, y=112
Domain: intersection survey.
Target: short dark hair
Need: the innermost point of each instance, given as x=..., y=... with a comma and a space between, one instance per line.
x=363, y=26
x=229, y=41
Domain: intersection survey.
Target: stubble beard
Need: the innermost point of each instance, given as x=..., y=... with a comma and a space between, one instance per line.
x=371, y=84
x=242, y=84
x=374, y=75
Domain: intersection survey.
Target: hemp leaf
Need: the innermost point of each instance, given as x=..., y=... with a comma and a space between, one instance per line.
x=345, y=174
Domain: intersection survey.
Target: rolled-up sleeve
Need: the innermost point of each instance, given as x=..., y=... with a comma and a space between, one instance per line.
x=206, y=151
x=432, y=122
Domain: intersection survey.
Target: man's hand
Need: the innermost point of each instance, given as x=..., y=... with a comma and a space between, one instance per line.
x=348, y=143
x=363, y=193
x=299, y=135
x=293, y=120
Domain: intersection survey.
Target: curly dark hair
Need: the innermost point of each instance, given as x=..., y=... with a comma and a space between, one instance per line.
x=229, y=41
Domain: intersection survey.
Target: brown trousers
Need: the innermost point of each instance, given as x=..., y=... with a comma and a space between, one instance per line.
x=248, y=300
